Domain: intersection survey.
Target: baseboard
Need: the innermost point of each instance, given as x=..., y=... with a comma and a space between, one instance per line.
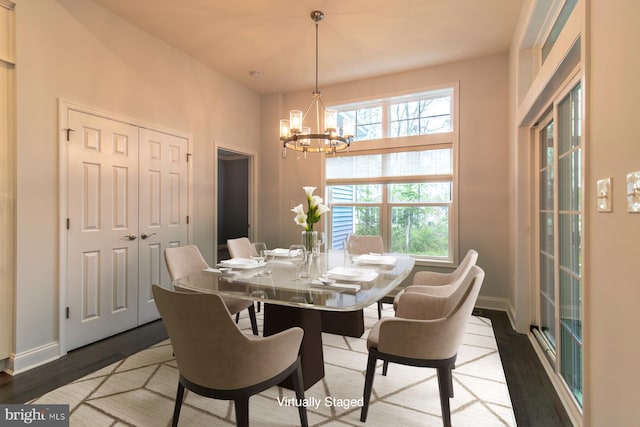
x=511, y=314
x=18, y=363
x=492, y=303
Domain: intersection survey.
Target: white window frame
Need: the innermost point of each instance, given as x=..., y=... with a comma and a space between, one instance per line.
x=411, y=143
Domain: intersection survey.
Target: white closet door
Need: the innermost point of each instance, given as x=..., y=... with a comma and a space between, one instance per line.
x=102, y=258
x=162, y=210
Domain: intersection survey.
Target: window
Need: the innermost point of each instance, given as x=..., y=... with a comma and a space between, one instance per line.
x=405, y=196
x=416, y=114
x=403, y=187
x=558, y=25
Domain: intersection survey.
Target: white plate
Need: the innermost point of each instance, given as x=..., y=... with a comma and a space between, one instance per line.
x=352, y=274
x=375, y=259
x=241, y=263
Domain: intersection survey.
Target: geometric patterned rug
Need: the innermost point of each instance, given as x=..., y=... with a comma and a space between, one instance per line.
x=140, y=390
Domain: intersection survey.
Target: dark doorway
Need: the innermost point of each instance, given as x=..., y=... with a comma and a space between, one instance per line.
x=233, y=198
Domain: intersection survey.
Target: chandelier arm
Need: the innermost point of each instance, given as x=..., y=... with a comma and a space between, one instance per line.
x=304, y=116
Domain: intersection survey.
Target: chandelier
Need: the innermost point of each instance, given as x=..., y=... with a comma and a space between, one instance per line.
x=297, y=137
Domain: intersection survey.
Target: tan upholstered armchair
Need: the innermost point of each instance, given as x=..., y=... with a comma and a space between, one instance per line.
x=217, y=360
x=361, y=244
x=183, y=261
x=241, y=248
x=442, y=284
x=426, y=332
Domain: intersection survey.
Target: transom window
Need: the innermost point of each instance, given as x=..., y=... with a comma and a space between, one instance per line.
x=416, y=114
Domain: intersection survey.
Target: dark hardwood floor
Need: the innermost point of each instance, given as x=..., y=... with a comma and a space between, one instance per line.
x=535, y=402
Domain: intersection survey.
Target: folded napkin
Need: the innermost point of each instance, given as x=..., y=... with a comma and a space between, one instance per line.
x=341, y=287
x=278, y=252
x=375, y=259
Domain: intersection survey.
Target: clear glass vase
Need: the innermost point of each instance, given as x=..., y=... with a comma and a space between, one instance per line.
x=310, y=242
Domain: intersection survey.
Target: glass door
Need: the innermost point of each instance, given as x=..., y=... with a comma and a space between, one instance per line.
x=560, y=230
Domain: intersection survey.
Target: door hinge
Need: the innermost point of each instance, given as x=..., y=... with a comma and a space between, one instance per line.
x=187, y=219
x=188, y=157
x=68, y=131
x=68, y=223
x=67, y=312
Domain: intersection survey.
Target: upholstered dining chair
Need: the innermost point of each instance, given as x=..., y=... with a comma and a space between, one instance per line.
x=441, y=284
x=215, y=359
x=426, y=332
x=183, y=261
x=361, y=244
x=241, y=248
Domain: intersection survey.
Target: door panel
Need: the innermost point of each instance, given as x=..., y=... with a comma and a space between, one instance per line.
x=163, y=210
x=102, y=205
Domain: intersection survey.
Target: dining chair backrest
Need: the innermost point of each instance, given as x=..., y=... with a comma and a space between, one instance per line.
x=209, y=346
x=450, y=313
x=361, y=244
x=428, y=278
x=241, y=248
x=183, y=261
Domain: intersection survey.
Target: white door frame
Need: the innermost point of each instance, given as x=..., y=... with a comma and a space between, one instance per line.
x=63, y=196
x=252, y=180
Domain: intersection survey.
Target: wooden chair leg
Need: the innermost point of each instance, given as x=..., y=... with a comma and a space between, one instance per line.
x=242, y=411
x=178, y=405
x=450, y=384
x=368, y=385
x=385, y=367
x=444, y=381
x=379, y=310
x=237, y=317
x=298, y=386
x=252, y=317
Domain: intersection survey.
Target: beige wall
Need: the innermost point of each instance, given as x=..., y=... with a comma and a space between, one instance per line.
x=613, y=295
x=483, y=157
x=73, y=49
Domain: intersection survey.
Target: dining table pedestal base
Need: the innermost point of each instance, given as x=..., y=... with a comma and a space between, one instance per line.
x=346, y=323
x=278, y=318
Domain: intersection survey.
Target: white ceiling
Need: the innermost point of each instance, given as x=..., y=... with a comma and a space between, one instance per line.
x=357, y=38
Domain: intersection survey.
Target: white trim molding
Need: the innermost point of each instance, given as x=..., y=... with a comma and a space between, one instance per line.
x=22, y=362
x=493, y=303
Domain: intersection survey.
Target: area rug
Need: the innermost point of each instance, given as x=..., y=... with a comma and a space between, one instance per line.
x=140, y=390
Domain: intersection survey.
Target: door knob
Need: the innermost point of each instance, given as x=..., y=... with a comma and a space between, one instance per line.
x=131, y=236
x=145, y=235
